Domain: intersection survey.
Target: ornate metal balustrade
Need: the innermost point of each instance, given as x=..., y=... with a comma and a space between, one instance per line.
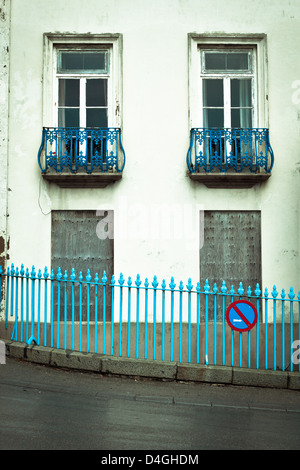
x=230, y=151
x=81, y=151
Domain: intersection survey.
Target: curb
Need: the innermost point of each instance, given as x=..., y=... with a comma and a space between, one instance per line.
x=92, y=362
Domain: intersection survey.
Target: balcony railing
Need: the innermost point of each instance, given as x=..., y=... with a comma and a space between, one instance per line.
x=229, y=150
x=80, y=151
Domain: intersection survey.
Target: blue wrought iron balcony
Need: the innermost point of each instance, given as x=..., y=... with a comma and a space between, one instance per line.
x=81, y=157
x=229, y=157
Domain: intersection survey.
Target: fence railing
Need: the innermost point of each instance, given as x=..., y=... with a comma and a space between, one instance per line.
x=81, y=149
x=224, y=150
x=147, y=320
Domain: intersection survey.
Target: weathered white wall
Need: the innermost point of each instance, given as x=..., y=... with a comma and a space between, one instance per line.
x=155, y=130
x=4, y=87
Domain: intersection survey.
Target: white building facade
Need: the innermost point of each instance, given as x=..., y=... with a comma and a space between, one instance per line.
x=152, y=197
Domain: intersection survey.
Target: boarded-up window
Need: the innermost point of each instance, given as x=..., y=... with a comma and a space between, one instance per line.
x=231, y=250
x=75, y=244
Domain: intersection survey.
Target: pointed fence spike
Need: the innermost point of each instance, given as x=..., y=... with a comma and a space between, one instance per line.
x=138, y=281
x=172, y=284
x=241, y=290
x=291, y=293
x=257, y=290
x=146, y=283
x=223, y=288
x=274, y=292
x=206, y=286
x=121, y=279
x=215, y=288
x=198, y=287
x=189, y=285
x=163, y=284
x=181, y=286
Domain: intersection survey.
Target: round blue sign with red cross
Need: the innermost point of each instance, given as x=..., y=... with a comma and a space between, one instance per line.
x=241, y=315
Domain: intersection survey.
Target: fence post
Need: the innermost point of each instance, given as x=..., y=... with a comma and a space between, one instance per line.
x=45, y=275
x=291, y=297
x=266, y=328
x=189, y=288
x=154, y=284
x=104, y=281
x=112, y=315
x=172, y=286
x=206, y=292
x=146, y=284
x=198, y=289
x=180, y=320
x=58, y=277
x=241, y=290
x=88, y=279
x=129, y=284
x=223, y=290
x=257, y=293
x=274, y=295
x=121, y=282
x=73, y=277
x=138, y=282
x=163, y=287
x=33, y=278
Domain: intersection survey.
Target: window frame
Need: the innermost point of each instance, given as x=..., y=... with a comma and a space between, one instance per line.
x=57, y=42
x=82, y=77
x=204, y=42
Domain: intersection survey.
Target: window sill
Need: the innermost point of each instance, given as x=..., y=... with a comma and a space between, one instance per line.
x=229, y=180
x=82, y=180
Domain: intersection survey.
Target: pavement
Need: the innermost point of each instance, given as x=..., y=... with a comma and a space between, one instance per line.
x=161, y=370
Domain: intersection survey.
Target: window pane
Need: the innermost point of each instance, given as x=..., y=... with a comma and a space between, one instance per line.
x=215, y=61
x=241, y=93
x=82, y=61
x=96, y=92
x=96, y=117
x=68, y=117
x=68, y=92
x=213, y=93
x=237, y=61
x=226, y=61
x=241, y=118
x=213, y=118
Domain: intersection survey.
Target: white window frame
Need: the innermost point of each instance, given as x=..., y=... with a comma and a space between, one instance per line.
x=55, y=42
x=82, y=77
x=197, y=43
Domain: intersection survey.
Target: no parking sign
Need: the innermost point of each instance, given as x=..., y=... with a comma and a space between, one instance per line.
x=241, y=315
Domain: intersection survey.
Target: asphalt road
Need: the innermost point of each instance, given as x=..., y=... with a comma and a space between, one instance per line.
x=47, y=408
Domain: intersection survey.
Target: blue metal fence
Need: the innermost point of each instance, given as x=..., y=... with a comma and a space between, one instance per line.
x=148, y=320
x=81, y=149
x=235, y=150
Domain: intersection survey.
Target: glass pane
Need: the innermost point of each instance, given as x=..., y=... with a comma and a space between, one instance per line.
x=96, y=117
x=241, y=118
x=96, y=92
x=223, y=61
x=68, y=92
x=82, y=61
x=213, y=92
x=241, y=93
x=213, y=118
x=215, y=61
x=237, y=61
x=68, y=117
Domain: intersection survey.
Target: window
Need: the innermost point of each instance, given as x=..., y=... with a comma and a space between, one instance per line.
x=228, y=88
x=227, y=81
x=83, y=88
